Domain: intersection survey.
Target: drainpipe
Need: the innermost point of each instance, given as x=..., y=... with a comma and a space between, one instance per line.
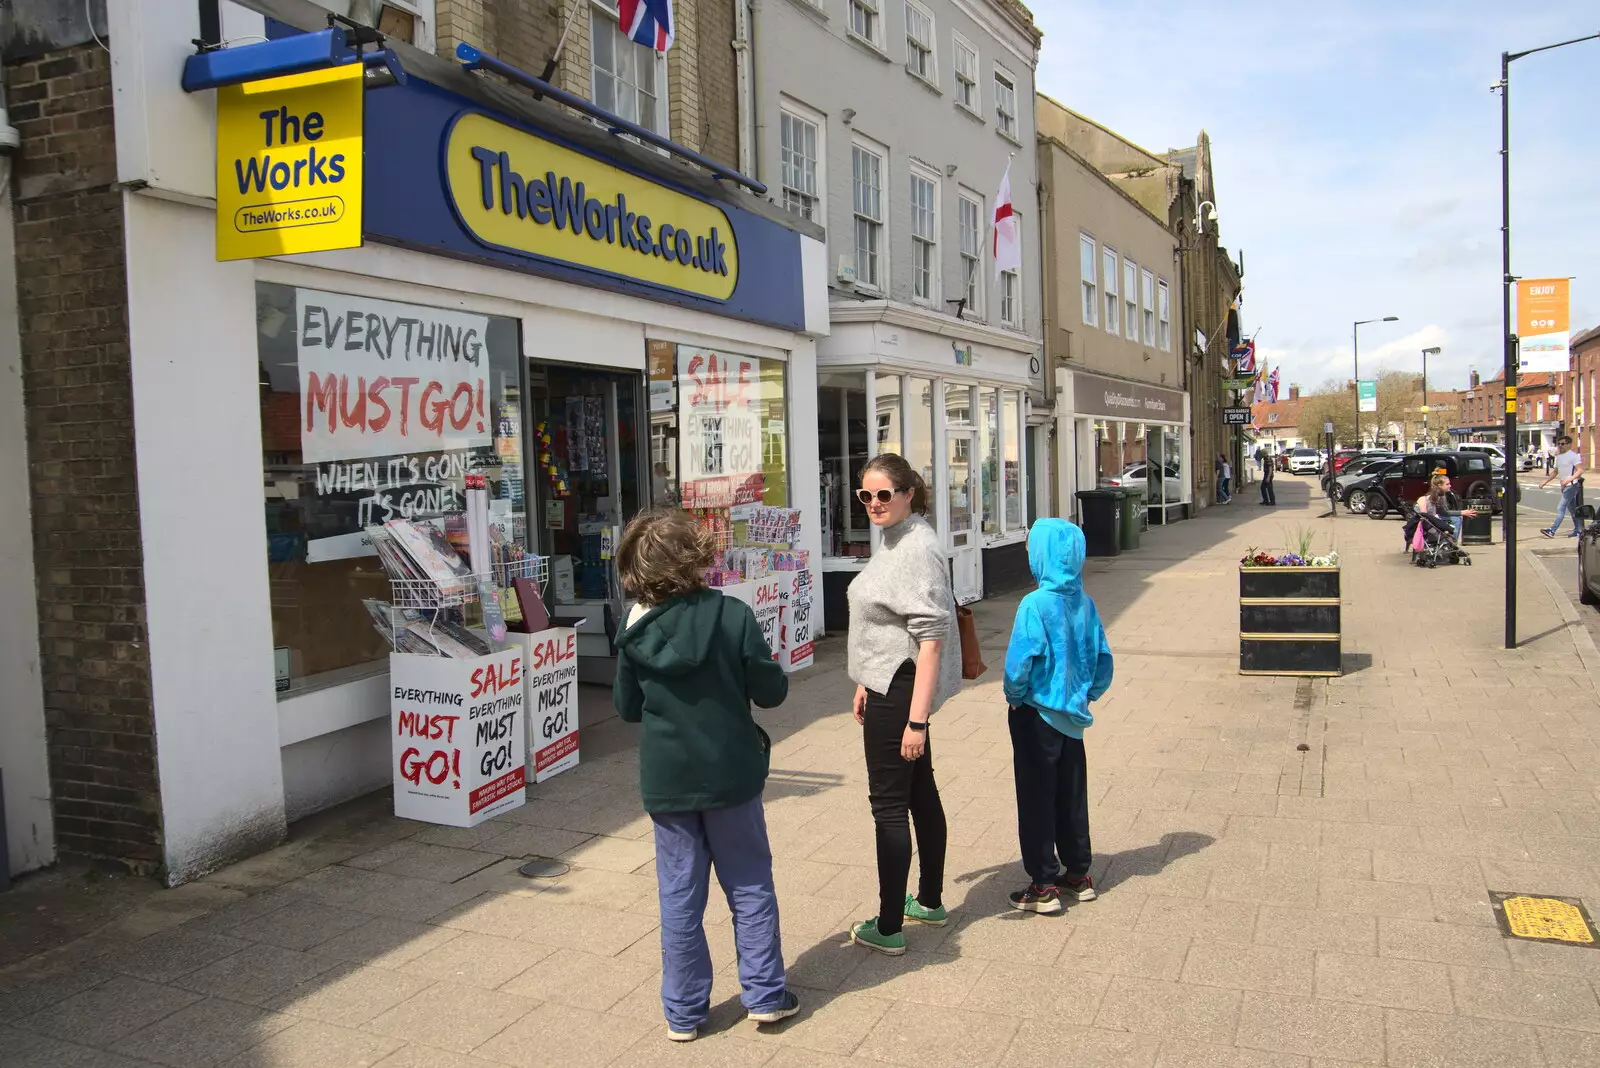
x=1046, y=355
x=744, y=73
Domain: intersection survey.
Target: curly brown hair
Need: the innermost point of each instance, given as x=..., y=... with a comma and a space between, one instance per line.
x=662, y=554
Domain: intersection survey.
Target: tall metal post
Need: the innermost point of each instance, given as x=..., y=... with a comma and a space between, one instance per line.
x=1355, y=351
x=1509, y=515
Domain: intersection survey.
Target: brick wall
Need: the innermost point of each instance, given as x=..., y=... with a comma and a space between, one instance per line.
x=701, y=102
x=72, y=296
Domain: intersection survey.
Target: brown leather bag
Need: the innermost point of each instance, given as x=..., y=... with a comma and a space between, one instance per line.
x=972, y=665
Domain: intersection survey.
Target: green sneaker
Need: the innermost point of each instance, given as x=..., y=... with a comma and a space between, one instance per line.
x=931, y=917
x=866, y=934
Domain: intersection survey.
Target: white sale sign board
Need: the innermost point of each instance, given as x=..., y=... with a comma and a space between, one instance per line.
x=552, y=701
x=797, y=643
x=458, y=736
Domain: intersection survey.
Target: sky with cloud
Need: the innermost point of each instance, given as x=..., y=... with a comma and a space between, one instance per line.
x=1356, y=149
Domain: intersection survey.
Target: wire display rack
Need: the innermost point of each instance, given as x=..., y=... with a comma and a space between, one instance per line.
x=428, y=595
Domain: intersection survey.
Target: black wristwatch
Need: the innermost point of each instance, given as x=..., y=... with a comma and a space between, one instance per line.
x=914, y=725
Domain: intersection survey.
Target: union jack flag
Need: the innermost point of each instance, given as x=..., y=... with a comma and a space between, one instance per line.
x=649, y=22
x=1272, y=386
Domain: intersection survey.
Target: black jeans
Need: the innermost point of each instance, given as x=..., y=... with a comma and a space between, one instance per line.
x=1052, y=798
x=898, y=787
x=1268, y=494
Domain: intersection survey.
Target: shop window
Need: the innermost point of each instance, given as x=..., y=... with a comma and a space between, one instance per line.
x=800, y=140
x=1011, y=422
x=731, y=426
x=919, y=427
x=628, y=78
x=970, y=222
x=890, y=434
x=957, y=404
x=866, y=168
x=1087, y=266
x=842, y=444
x=1130, y=298
x=373, y=410
x=924, y=236
x=989, y=456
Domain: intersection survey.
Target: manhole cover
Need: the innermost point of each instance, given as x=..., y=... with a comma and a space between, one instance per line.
x=1541, y=918
x=543, y=868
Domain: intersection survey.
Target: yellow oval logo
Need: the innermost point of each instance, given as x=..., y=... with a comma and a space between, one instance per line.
x=522, y=194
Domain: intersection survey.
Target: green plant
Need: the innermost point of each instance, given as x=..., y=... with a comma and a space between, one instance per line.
x=1300, y=540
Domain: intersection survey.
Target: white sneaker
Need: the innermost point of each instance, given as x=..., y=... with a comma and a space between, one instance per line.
x=683, y=1036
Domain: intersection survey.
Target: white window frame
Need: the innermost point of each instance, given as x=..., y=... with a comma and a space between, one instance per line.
x=871, y=11
x=1163, y=316
x=1012, y=317
x=663, y=124
x=969, y=78
x=929, y=49
x=422, y=12
x=798, y=112
x=973, y=286
x=930, y=240
x=881, y=154
x=1110, y=268
x=1090, y=286
x=1007, y=124
x=1130, y=299
x=1147, y=305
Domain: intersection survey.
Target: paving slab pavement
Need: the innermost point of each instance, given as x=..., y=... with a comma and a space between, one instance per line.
x=1261, y=904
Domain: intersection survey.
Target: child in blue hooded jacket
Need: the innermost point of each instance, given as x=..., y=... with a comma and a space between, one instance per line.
x=1058, y=662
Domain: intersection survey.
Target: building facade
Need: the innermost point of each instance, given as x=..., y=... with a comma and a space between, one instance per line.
x=1584, y=381
x=892, y=125
x=1541, y=411
x=201, y=493
x=1277, y=425
x=1112, y=338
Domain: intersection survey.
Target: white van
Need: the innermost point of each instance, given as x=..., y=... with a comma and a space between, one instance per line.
x=1495, y=452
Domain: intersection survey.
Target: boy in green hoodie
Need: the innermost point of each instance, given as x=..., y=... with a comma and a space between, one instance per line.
x=689, y=664
x=1058, y=662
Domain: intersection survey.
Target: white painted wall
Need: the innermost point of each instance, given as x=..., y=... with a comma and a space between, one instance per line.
x=197, y=430
x=29, y=832
x=321, y=772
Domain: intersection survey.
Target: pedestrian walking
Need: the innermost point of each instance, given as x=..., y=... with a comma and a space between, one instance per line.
x=1269, y=493
x=1549, y=460
x=1058, y=661
x=904, y=656
x=689, y=664
x=1226, y=472
x=1568, y=467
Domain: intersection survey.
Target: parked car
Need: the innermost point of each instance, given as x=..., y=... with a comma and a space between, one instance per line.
x=1343, y=457
x=1305, y=462
x=1470, y=475
x=1589, y=557
x=1282, y=460
x=1356, y=468
x=1353, y=490
x=1528, y=461
x=1137, y=476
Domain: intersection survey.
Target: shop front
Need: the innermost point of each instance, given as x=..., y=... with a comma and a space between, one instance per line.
x=1126, y=434
x=509, y=313
x=957, y=409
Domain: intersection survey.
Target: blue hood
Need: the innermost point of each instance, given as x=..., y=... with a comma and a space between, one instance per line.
x=1055, y=555
x=1058, y=660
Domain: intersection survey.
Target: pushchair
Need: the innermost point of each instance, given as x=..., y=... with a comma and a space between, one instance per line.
x=1439, y=544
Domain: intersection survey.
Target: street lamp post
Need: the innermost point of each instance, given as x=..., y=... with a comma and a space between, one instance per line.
x=1432, y=351
x=1355, y=350
x=1509, y=530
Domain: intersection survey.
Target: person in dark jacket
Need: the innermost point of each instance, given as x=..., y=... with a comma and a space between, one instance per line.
x=689, y=664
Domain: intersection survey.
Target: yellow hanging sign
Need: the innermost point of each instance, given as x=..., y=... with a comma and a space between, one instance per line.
x=289, y=173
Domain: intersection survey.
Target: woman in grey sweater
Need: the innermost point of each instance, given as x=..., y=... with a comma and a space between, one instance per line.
x=905, y=661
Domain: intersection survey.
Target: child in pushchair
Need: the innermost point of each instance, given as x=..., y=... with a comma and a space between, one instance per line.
x=1436, y=536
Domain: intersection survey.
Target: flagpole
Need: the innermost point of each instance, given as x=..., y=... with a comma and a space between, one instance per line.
x=561, y=43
